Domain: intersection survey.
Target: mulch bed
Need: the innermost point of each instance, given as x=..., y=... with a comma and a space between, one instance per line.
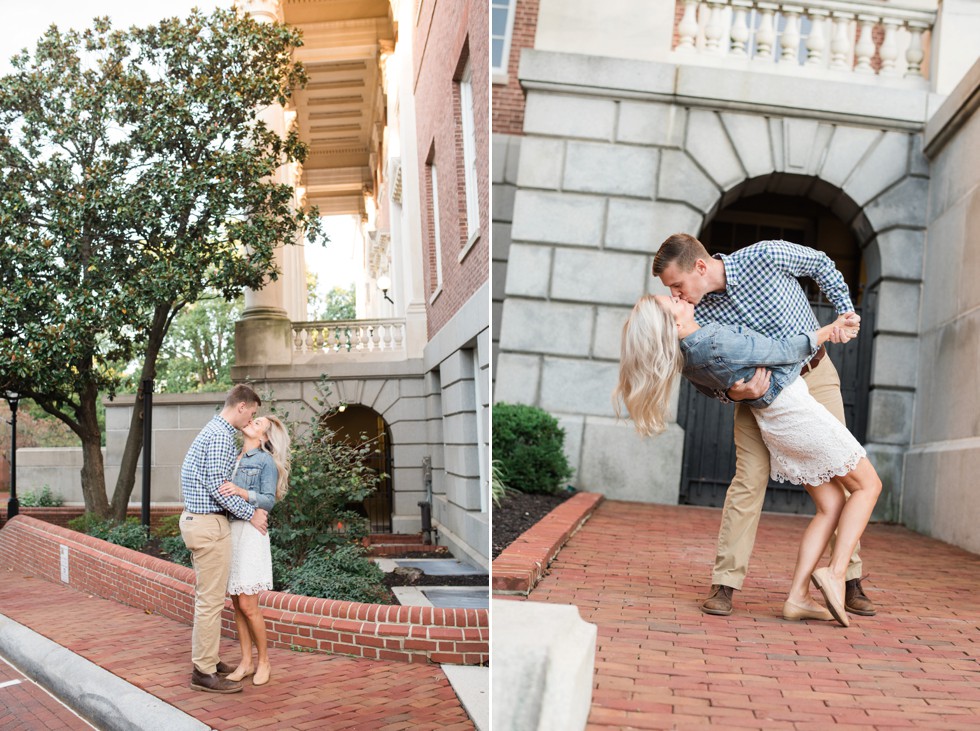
x=517, y=512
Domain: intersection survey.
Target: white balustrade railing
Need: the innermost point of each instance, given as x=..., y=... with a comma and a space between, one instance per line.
x=866, y=39
x=350, y=337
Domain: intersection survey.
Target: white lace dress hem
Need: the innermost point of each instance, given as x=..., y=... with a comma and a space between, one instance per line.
x=807, y=444
x=251, y=560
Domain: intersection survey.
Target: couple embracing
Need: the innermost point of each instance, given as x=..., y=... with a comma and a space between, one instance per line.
x=740, y=328
x=228, y=494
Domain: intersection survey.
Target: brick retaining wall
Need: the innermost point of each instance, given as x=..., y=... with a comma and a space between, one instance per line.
x=403, y=634
x=520, y=566
x=61, y=515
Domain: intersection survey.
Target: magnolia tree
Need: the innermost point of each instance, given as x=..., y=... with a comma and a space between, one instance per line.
x=135, y=178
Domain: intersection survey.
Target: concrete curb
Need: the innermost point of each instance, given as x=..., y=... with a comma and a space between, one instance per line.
x=102, y=698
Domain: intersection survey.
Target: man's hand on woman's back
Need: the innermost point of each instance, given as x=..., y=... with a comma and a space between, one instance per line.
x=754, y=388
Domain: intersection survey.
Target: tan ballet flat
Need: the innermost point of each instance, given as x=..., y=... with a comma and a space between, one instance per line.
x=262, y=675
x=794, y=612
x=833, y=594
x=239, y=675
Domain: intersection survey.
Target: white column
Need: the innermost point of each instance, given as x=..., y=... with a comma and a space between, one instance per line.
x=889, y=47
x=865, y=47
x=791, y=34
x=840, y=46
x=740, y=28
x=915, y=54
x=264, y=336
x=765, y=36
x=269, y=301
x=817, y=41
x=714, y=32
x=687, y=29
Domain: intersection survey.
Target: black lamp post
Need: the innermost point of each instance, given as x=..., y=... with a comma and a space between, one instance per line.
x=13, y=506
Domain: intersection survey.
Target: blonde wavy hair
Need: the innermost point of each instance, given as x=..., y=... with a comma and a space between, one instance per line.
x=276, y=443
x=650, y=357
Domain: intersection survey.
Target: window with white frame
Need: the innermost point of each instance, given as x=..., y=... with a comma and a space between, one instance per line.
x=434, y=235
x=469, y=156
x=501, y=29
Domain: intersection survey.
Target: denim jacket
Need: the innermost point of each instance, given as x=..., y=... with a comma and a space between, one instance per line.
x=716, y=356
x=257, y=473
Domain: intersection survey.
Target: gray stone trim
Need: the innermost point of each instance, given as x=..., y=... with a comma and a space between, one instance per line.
x=718, y=88
x=958, y=108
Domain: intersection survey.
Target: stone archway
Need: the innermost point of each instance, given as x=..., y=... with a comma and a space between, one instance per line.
x=356, y=424
x=768, y=214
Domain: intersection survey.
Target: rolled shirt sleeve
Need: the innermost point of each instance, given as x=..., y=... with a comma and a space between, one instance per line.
x=802, y=261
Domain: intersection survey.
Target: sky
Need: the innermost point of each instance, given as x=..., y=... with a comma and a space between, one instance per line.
x=26, y=20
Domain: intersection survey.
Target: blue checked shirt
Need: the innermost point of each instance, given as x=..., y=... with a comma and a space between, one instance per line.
x=207, y=466
x=763, y=293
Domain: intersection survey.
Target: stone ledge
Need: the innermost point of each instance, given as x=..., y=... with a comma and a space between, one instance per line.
x=522, y=564
x=544, y=660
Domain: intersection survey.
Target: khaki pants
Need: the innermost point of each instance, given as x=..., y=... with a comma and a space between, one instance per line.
x=208, y=537
x=747, y=492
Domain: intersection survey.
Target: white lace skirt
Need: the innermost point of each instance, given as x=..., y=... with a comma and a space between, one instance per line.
x=251, y=560
x=807, y=445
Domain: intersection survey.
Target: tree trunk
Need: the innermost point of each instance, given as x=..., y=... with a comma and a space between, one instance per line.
x=134, y=441
x=93, y=466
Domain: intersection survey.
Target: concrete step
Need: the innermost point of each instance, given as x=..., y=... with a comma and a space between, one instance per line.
x=543, y=661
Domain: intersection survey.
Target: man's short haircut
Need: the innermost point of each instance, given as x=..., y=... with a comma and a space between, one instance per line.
x=242, y=393
x=681, y=248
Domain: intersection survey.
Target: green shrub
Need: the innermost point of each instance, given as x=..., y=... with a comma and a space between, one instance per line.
x=130, y=533
x=44, y=499
x=529, y=445
x=498, y=490
x=175, y=549
x=89, y=524
x=168, y=527
x=342, y=573
x=327, y=476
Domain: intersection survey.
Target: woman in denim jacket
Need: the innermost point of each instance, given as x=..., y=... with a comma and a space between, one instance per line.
x=261, y=477
x=807, y=445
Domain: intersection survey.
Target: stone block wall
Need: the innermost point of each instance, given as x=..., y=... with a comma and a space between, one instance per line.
x=618, y=154
x=940, y=497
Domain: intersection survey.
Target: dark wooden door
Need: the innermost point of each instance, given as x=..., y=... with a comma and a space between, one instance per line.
x=709, y=446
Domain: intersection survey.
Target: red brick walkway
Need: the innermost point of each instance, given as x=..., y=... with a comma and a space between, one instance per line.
x=639, y=572
x=25, y=706
x=307, y=691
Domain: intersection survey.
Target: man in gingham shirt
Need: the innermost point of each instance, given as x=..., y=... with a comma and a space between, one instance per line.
x=204, y=528
x=758, y=287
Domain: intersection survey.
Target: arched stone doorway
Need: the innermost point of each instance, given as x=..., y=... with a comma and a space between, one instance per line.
x=759, y=210
x=354, y=423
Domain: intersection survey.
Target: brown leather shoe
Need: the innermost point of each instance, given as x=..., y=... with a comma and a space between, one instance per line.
x=719, y=601
x=213, y=683
x=856, y=600
x=224, y=669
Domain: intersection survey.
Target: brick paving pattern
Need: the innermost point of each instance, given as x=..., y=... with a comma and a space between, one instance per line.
x=640, y=571
x=25, y=706
x=307, y=691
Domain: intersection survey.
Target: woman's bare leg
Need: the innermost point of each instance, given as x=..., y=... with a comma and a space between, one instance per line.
x=829, y=499
x=256, y=623
x=865, y=487
x=244, y=640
